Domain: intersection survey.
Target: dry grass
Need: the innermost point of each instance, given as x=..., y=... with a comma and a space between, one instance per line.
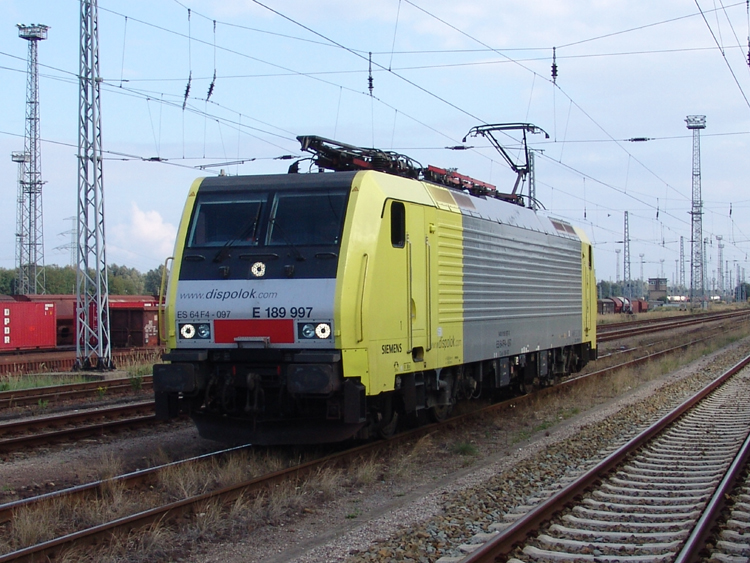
x=324, y=484
x=184, y=480
x=367, y=470
x=110, y=465
x=406, y=458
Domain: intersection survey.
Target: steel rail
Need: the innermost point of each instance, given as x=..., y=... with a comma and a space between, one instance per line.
x=22, y=397
x=502, y=544
x=697, y=540
x=133, y=478
x=627, y=332
x=666, y=320
x=134, y=414
x=11, y=444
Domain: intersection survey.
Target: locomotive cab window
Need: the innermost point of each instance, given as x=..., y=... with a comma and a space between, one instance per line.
x=226, y=219
x=398, y=224
x=306, y=218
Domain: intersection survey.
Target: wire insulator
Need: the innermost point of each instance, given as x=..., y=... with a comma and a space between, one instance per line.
x=369, y=78
x=554, y=66
x=187, y=90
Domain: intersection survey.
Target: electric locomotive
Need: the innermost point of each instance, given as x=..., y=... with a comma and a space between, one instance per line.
x=307, y=308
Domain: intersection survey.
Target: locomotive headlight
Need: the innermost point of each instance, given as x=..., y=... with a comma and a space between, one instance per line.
x=323, y=330
x=187, y=331
x=314, y=331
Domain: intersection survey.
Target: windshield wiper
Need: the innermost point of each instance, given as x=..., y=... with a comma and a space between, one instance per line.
x=246, y=229
x=297, y=254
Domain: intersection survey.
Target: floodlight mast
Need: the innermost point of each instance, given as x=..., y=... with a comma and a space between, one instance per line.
x=697, y=284
x=30, y=259
x=520, y=168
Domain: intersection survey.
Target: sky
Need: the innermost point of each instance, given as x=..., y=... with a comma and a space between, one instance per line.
x=626, y=70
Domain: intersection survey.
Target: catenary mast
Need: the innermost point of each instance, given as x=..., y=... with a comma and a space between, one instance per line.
x=93, y=347
x=29, y=229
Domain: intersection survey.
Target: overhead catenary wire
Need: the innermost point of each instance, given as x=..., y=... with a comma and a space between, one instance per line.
x=723, y=54
x=377, y=70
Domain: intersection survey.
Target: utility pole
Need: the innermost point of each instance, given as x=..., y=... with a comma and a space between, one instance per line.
x=617, y=274
x=706, y=287
x=29, y=229
x=719, y=272
x=682, y=261
x=695, y=123
x=642, y=280
x=93, y=347
x=626, y=258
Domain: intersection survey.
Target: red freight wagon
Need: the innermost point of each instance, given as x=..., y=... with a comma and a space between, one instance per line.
x=28, y=325
x=133, y=321
x=65, y=309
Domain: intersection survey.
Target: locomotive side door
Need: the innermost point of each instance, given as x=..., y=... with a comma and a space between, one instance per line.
x=417, y=306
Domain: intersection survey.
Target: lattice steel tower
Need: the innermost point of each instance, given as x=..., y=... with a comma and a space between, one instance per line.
x=696, y=123
x=29, y=229
x=93, y=348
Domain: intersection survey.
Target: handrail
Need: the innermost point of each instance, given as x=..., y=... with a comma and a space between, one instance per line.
x=161, y=307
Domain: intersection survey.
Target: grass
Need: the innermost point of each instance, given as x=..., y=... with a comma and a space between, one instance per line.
x=464, y=449
x=11, y=382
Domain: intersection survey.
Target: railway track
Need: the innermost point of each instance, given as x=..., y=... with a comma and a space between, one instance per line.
x=654, y=499
x=174, y=510
x=35, y=361
x=607, y=333
x=26, y=433
x=57, y=393
x=733, y=540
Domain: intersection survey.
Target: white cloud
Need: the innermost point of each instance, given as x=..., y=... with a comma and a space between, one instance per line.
x=144, y=242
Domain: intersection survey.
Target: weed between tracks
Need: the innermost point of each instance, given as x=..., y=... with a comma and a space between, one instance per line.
x=11, y=382
x=210, y=520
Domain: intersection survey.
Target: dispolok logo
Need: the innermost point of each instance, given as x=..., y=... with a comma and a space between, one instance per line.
x=447, y=342
x=224, y=295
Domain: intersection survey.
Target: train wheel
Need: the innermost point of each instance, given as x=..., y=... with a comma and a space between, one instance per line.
x=389, y=429
x=440, y=413
x=389, y=421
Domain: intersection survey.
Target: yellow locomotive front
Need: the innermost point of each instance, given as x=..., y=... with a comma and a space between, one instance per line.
x=250, y=312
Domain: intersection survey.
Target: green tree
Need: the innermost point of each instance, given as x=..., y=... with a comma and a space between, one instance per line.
x=152, y=280
x=124, y=280
x=60, y=280
x=7, y=281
